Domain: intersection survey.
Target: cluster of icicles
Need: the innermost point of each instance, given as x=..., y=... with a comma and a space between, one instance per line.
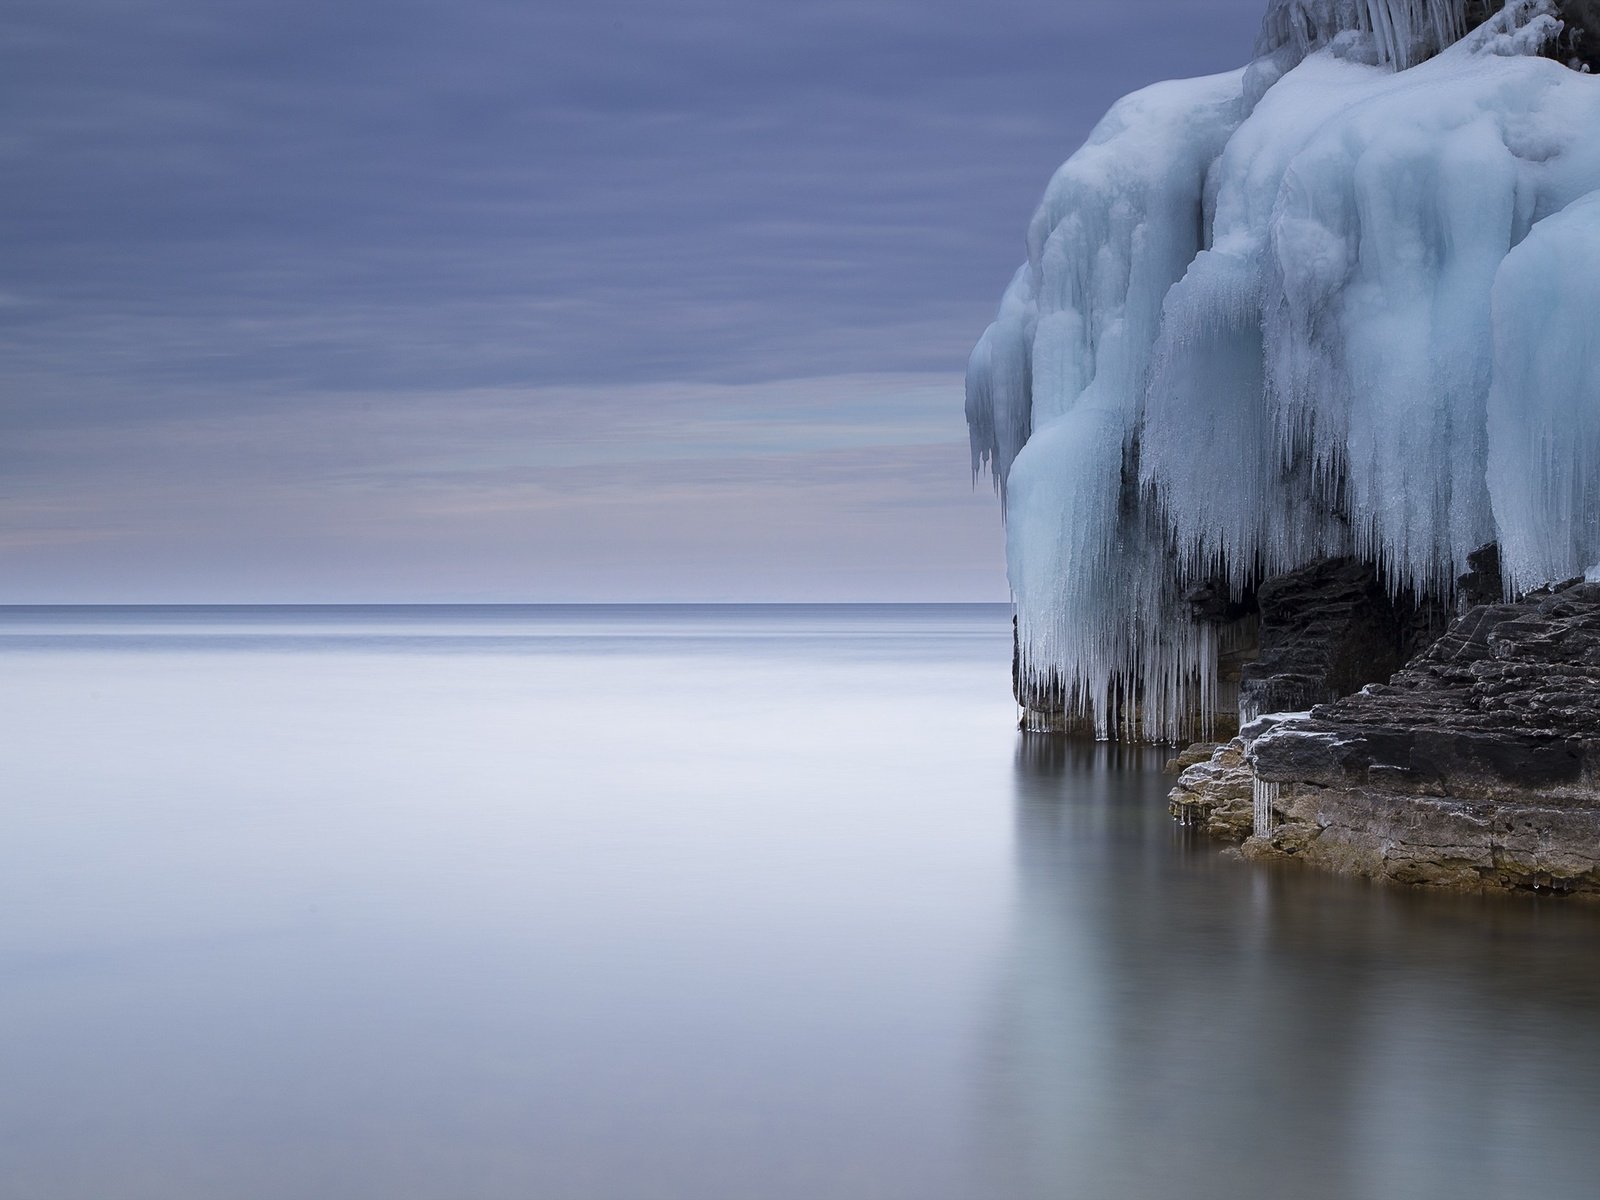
x=1401, y=32
x=1330, y=303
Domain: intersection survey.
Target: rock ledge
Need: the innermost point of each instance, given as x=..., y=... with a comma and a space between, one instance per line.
x=1477, y=766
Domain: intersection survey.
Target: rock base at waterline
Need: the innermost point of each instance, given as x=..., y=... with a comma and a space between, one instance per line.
x=1436, y=841
x=1476, y=767
x=1216, y=793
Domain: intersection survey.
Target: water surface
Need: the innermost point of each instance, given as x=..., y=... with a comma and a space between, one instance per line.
x=704, y=903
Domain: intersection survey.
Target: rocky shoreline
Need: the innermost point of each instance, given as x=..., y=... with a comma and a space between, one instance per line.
x=1475, y=767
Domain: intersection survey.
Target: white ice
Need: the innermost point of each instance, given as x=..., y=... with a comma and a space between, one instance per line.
x=1329, y=303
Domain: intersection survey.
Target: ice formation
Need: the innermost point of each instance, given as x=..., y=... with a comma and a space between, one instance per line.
x=1339, y=301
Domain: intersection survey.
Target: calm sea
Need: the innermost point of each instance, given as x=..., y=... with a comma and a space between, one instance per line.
x=722, y=903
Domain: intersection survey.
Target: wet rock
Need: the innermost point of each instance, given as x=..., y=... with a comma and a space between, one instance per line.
x=1476, y=766
x=1216, y=794
x=1196, y=752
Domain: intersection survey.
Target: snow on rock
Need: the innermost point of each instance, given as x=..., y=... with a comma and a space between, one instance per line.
x=1323, y=305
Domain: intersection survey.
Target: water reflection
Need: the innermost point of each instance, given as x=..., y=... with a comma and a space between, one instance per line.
x=698, y=905
x=1173, y=1023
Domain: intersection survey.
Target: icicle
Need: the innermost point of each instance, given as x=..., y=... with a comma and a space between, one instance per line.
x=1264, y=795
x=1403, y=32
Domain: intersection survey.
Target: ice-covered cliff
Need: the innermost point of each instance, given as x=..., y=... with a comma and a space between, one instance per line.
x=1343, y=301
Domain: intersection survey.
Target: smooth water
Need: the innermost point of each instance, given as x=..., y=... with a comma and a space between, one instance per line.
x=704, y=903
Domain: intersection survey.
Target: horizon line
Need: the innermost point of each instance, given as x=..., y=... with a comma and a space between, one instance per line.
x=5, y=605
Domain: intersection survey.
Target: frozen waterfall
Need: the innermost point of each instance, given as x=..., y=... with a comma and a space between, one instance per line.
x=1339, y=301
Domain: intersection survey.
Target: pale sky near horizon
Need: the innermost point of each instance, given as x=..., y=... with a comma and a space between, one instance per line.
x=488, y=300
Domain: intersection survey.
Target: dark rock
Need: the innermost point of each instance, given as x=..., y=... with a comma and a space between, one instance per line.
x=1325, y=630
x=1478, y=765
x=1481, y=584
x=1579, y=45
x=1212, y=602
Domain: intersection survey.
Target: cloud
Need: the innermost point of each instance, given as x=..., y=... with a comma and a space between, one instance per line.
x=375, y=192
x=219, y=208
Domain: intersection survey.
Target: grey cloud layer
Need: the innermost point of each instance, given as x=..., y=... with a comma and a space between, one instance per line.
x=233, y=206
x=409, y=194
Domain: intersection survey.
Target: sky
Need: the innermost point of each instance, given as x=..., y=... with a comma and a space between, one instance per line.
x=592, y=300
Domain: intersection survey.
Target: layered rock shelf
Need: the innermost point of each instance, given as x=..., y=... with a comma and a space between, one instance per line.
x=1215, y=793
x=1477, y=766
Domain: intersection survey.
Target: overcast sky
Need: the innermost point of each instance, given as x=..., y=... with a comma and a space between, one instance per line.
x=489, y=300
